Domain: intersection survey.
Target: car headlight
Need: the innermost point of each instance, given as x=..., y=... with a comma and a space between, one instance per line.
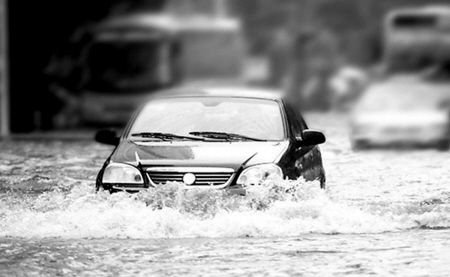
x=255, y=175
x=118, y=173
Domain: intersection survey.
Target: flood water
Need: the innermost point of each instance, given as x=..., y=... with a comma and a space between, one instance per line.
x=384, y=213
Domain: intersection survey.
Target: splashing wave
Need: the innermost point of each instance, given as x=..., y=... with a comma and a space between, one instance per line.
x=288, y=208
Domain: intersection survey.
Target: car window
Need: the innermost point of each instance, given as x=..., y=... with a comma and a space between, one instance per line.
x=255, y=118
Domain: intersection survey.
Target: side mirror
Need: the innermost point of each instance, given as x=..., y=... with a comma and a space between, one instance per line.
x=311, y=138
x=109, y=137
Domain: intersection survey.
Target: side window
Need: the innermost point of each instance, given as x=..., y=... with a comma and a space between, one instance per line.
x=296, y=122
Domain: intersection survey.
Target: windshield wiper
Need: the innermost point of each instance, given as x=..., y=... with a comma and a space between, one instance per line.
x=165, y=136
x=224, y=136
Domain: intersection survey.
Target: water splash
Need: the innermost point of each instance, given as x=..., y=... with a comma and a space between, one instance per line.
x=287, y=208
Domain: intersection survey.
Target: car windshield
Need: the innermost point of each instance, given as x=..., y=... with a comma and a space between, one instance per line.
x=407, y=96
x=213, y=117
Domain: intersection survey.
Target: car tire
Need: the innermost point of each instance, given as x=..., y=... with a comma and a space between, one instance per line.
x=443, y=145
x=323, y=180
x=359, y=145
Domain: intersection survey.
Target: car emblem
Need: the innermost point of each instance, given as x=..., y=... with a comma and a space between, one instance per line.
x=189, y=179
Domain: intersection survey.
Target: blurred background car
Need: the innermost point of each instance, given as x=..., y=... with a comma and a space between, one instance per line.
x=404, y=110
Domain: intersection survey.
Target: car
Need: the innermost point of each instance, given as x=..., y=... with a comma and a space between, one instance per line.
x=406, y=110
x=224, y=138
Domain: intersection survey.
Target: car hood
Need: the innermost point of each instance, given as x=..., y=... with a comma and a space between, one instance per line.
x=211, y=154
x=405, y=93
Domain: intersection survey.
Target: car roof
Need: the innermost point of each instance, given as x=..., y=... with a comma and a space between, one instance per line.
x=440, y=10
x=409, y=84
x=173, y=23
x=234, y=92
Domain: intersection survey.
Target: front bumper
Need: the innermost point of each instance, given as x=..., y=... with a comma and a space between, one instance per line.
x=233, y=190
x=205, y=178
x=103, y=116
x=109, y=108
x=422, y=127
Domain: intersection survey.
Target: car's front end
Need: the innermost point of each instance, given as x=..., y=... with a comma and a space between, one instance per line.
x=193, y=165
x=211, y=139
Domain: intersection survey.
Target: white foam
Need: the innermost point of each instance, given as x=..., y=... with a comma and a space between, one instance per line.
x=172, y=212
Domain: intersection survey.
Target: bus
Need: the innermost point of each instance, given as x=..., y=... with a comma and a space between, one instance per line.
x=416, y=37
x=129, y=57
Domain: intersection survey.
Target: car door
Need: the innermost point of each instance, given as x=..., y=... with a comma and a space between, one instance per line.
x=307, y=160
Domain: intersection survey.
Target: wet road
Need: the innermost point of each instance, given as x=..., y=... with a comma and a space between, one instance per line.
x=385, y=213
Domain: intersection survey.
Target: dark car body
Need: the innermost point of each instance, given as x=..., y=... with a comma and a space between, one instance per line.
x=219, y=163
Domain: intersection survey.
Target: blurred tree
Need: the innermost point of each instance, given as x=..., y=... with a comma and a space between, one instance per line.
x=279, y=54
x=314, y=61
x=355, y=23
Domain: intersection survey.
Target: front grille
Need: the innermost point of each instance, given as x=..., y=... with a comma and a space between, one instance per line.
x=205, y=177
